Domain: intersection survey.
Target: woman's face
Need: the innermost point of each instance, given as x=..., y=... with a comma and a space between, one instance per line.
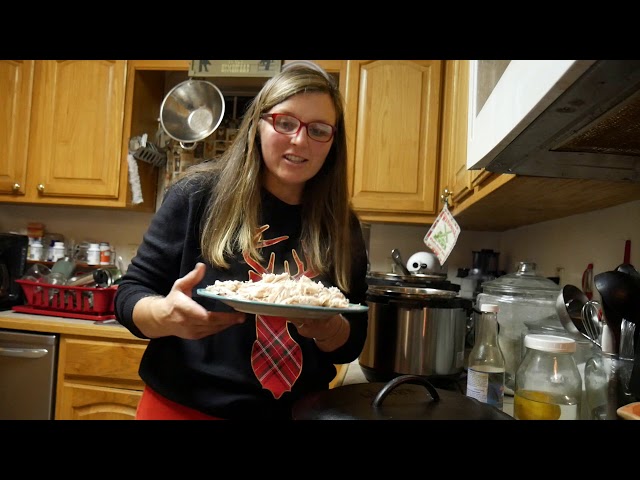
x=291, y=160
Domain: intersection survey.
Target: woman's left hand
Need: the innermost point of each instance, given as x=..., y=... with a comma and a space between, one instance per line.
x=328, y=334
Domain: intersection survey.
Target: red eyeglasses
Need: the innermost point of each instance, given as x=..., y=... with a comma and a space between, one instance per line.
x=290, y=125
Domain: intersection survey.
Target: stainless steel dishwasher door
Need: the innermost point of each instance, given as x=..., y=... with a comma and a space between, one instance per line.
x=28, y=366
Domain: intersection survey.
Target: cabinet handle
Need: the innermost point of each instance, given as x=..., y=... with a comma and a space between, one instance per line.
x=445, y=196
x=41, y=188
x=16, y=187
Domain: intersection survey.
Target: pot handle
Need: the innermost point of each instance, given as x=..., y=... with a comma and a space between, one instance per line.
x=415, y=379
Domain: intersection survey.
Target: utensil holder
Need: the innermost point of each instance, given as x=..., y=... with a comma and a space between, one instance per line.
x=607, y=379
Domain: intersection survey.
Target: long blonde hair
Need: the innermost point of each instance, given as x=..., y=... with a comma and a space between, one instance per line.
x=233, y=211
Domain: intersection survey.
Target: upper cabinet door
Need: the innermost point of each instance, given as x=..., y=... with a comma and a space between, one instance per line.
x=393, y=126
x=16, y=84
x=76, y=137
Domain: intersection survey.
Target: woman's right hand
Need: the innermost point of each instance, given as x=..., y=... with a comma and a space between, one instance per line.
x=179, y=315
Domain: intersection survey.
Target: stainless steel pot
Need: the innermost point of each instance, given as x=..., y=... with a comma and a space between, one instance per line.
x=417, y=331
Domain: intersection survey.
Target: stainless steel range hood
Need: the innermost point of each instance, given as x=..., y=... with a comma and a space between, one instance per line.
x=588, y=126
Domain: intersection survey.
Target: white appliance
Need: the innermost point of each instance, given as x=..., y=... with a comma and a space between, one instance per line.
x=555, y=118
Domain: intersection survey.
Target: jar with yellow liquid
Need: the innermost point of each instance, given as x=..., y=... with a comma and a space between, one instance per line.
x=548, y=382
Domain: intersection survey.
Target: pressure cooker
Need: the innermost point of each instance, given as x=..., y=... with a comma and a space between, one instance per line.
x=415, y=330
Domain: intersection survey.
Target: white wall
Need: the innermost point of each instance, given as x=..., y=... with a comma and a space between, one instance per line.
x=560, y=247
x=123, y=230
x=569, y=243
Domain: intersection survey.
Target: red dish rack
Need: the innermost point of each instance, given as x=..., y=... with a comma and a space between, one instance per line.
x=86, y=303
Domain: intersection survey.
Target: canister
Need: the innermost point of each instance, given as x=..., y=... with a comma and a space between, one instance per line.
x=93, y=254
x=36, y=251
x=585, y=350
x=105, y=253
x=522, y=296
x=548, y=383
x=58, y=251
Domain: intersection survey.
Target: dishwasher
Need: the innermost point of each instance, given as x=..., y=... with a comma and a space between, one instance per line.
x=28, y=366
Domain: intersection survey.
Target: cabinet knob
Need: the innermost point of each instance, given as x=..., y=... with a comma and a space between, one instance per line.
x=16, y=187
x=445, y=196
x=41, y=188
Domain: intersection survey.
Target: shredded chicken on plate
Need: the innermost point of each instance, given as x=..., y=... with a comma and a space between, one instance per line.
x=281, y=288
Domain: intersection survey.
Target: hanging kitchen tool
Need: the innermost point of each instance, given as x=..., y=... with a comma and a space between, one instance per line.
x=569, y=305
x=191, y=111
x=587, y=281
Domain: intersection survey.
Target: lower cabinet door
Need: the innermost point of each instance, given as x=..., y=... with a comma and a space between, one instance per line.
x=91, y=402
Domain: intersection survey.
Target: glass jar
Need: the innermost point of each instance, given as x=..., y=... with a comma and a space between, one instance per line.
x=585, y=350
x=607, y=380
x=548, y=383
x=522, y=296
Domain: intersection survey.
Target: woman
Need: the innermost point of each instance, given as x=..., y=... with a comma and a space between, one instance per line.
x=276, y=201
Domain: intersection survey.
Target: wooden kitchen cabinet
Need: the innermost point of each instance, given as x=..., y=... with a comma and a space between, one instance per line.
x=62, y=134
x=98, y=378
x=485, y=201
x=16, y=83
x=393, y=127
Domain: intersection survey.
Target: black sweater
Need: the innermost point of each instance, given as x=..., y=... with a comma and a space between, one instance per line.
x=214, y=374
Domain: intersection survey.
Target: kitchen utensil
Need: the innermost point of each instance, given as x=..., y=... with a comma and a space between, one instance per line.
x=397, y=257
x=591, y=319
x=621, y=293
x=627, y=252
x=191, y=111
x=569, y=305
x=627, y=333
x=406, y=397
x=628, y=269
x=587, y=281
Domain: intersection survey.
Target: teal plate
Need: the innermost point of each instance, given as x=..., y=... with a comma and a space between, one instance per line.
x=282, y=310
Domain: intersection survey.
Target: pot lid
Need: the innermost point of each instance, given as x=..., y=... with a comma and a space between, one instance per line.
x=410, y=291
x=524, y=281
x=407, y=397
x=413, y=278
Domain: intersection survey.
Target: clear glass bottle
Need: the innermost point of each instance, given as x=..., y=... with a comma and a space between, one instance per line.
x=486, y=365
x=548, y=382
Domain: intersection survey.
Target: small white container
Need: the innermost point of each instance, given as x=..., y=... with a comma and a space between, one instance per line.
x=93, y=254
x=36, y=251
x=105, y=253
x=58, y=251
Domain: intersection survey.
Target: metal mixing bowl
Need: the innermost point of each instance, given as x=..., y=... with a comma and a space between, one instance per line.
x=192, y=110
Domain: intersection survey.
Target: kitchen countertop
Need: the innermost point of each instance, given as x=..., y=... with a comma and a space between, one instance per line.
x=354, y=375
x=64, y=325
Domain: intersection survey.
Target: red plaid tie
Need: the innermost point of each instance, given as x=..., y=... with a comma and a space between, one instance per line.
x=276, y=357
